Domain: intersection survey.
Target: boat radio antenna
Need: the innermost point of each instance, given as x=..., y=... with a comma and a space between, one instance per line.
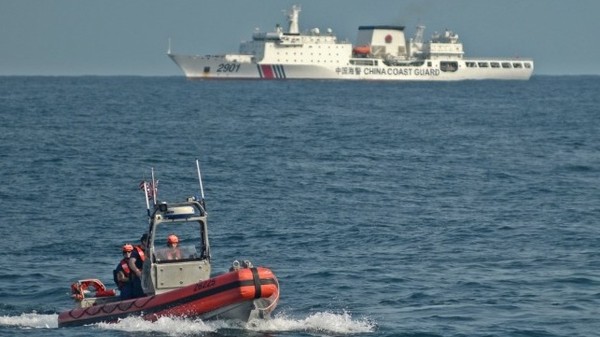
x=144, y=186
x=200, y=180
x=154, y=189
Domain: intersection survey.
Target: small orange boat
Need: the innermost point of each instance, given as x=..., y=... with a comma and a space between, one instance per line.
x=180, y=287
x=242, y=294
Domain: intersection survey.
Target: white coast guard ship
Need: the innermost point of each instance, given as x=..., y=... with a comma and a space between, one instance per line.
x=380, y=53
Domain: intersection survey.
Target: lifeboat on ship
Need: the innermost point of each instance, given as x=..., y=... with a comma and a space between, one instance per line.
x=361, y=50
x=182, y=286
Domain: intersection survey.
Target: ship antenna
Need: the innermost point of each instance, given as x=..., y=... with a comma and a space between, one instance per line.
x=201, y=187
x=169, y=49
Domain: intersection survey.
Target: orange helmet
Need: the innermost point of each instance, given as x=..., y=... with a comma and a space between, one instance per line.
x=172, y=239
x=127, y=248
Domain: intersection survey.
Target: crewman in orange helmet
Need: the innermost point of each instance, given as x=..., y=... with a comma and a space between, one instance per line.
x=136, y=264
x=174, y=253
x=122, y=273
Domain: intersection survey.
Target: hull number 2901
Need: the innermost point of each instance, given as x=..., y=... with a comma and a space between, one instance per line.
x=228, y=68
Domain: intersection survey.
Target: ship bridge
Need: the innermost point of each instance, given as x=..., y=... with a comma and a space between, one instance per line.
x=444, y=46
x=293, y=47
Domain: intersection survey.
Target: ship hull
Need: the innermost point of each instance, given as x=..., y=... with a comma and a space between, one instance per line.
x=234, y=295
x=224, y=67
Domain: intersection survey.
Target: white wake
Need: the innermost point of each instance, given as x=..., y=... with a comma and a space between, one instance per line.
x=320, y=322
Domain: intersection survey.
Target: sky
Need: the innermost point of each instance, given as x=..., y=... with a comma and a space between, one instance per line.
x=131, y=37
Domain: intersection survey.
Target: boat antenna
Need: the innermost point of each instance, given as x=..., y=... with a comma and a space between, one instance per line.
x=144, y=186
x=154, y=189
x=200, y=180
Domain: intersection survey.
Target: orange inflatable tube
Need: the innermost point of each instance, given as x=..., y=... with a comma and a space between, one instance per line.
x=197, y=299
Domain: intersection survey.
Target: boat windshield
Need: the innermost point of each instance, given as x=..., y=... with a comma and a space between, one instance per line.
x=179, y=253
x=190, y=241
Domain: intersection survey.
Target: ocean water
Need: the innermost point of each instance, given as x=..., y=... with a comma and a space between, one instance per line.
x=385, y=209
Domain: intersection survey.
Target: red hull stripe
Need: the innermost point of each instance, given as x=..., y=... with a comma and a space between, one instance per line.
x=106, y=313
x=267, y=71
x=271, y=71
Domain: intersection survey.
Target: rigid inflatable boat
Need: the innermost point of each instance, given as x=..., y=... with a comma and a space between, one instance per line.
x=179, y=287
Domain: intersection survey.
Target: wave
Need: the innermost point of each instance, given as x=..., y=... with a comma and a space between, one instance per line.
x=31, y=320
x=321, y=322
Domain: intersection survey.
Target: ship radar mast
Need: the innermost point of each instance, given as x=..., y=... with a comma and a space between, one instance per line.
x=292, y=16
x=419, y=34
x=416, y=43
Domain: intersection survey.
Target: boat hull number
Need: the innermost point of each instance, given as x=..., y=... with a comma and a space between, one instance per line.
x=228, y=68
x=204, y=285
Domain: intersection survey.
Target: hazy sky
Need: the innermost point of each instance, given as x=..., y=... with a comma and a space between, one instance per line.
x=130, y=37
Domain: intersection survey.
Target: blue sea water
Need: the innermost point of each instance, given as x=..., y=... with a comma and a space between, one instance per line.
x=385, y=209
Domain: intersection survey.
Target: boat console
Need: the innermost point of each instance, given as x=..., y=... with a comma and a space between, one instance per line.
x=163, y=271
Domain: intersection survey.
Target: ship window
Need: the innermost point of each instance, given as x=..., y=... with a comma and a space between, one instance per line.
x=206, y=70
x=495, y=65
x=449, y=66
x=506, y=65
x=361, y=62
x=482, y=64
x=527, y=65
x=517, y=65
x=429, y=64
x=471, y=65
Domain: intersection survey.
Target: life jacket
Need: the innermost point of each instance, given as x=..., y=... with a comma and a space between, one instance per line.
x=123, y=266
x=140, y=252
